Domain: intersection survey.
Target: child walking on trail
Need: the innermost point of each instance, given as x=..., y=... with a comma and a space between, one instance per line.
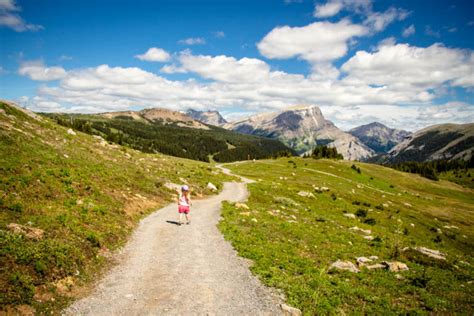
x=184, y=202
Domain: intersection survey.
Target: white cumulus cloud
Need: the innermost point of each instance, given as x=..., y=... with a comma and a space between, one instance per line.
x=378, y=21
x=315, y=43
x=234, y=83
x=36, y=70
x=401, y=66
x=154, y=54
x=328, y=9
x=193, y=41
x=333, y=7
x=226, y=69
x=10, y=18
x=172, y=69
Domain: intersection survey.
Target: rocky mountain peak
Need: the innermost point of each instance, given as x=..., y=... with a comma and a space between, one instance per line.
x=302, y=128
x=207, y=117
x=375, y=125
x=379, y=137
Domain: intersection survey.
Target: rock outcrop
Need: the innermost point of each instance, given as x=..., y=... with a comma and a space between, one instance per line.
x=27, y=231
x=344, y=265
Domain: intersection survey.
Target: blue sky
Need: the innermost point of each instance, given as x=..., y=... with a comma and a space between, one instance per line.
x=408, y=64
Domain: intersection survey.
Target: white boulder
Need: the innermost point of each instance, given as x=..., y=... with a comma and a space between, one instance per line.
x=344, y=265
x=211, y=187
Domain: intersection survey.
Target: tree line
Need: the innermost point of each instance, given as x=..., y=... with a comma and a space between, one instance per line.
x=431, y=169
x=170, y=139
x=324, y=152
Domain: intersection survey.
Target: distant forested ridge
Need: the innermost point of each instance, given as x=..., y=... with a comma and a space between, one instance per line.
x=171, y=139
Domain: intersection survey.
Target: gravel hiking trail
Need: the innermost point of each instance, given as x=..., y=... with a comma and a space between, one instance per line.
x=166, y=269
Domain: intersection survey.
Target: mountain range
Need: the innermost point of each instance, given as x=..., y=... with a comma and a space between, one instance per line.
x=302, y=128
x=299, y=129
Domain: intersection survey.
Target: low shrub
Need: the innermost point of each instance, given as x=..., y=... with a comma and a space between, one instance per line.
x=361, y=213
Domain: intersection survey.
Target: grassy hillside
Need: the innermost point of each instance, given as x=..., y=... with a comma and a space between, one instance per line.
x=460, y=176
x=175, y=138
x=83, y=195
x=294, y=230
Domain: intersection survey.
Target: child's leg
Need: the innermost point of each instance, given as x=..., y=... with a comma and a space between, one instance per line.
x=188, y=218
x=180, y=218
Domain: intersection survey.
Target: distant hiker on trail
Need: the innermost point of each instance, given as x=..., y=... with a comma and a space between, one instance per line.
x=184, y=202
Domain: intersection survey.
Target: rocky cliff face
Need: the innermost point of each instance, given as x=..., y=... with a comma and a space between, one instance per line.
x=379, y=137
x=444, y=141
x=302, y=128
x=208, y=117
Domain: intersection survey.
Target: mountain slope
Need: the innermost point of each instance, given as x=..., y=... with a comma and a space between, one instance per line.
x=208, y=117
x=76, y=197
x=444, y=141
x=173, y=133
x=379, y=137
x=302, y=128
x=296, y=233
x=158, y=115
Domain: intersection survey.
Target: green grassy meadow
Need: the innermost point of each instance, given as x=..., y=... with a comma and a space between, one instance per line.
x=293, y=238
x=85, y=194
x=460, y=177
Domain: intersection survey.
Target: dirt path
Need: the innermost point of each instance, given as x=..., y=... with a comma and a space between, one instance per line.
x=181, y=270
